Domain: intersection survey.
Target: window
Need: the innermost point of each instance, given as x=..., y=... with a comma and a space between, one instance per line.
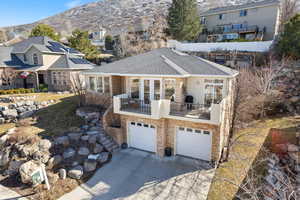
x=169, y=86
x=206, y=132
x=59, y=78
x=213, y=91
x=35, y=59
x=189, y=130
x=221, y=16
x=243, y=13
x=135, y=88
x=106, y=85
x=203, y=20
x=100, y=85
x=92, y=83
x=24, y=58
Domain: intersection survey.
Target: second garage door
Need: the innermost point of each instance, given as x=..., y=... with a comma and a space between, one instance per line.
x=142, y=136
x=193, y=143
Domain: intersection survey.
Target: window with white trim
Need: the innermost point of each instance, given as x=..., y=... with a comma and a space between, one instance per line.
x=35, y=59
x=100, y=84
x=213, y=91
x=135, y=88
x=59, y=78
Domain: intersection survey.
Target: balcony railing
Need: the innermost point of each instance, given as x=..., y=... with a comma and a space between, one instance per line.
x=135, y=105
x=189, y=110
x=222, y=30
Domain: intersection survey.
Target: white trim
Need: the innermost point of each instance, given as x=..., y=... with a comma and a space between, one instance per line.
x=174, y=65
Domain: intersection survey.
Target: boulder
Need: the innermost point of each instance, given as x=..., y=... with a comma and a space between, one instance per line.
x=103, y=157
x=62, y=174
x=74, y=136
x=26, y=114
x=54, y=161
x=14, y=166
x=90, y=165
x=85, y=137
x=295, y=156
x=4, y=157
x=76, y=172
x=98, y=148
x=42, y=156
x=21, y=109
x=293, y=148
x=27, y=150
x=83, y=151
x=69, y=153
x=3, y=108
x=92, y=132
x=93, y=139
x=10, y=114
x=26, y=170
x=294, y=99
x=63, y=140
x=44, y=145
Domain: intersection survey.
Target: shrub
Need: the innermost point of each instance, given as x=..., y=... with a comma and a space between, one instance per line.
x=17, y=91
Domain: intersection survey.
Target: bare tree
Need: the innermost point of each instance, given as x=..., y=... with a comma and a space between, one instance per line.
x=288, y=10
x=8, y=76
x=78, y=87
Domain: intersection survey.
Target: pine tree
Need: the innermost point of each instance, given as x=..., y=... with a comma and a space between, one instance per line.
x=183, y=20
x=289, y=41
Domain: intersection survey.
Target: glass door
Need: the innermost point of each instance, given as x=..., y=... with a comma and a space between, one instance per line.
x=151, y=90
x=147, y=91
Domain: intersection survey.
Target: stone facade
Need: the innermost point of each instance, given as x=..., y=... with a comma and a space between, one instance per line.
x=166, y=132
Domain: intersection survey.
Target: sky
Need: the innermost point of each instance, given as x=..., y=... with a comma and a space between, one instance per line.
x=15, y=12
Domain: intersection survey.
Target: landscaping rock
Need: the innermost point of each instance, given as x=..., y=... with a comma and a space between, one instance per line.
x=10, y=114
x=26, y=114
x=93, y=139
x=3, y=108
x=74, y=136
x=14, y=166
x=44, y=145
x=4, y=157
x=54, y=161
x=103, y=157
x=63, y=140
x=76, y=172
x=62, y=174
x=26, y=170
x=293, y=148
x=83, y=151
x=92, y=132
x=69, y=153
x=41, y=156
x=27, y=150
x=90, y=165
x=85, y=137
x=98, y=148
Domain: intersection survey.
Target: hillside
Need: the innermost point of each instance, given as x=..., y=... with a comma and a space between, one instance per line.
x=115, y=15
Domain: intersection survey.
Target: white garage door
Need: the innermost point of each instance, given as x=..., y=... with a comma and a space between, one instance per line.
x=142, y=136
x=193, y=143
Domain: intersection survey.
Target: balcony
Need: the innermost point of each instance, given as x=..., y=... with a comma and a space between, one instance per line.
x=222, y=30
x=163, y=108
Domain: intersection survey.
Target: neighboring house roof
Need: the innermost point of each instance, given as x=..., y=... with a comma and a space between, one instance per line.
x=71, y=62
x=262, y=46
x=44, y=44
x=9, y=60
x=240, y=7
x=163, y=62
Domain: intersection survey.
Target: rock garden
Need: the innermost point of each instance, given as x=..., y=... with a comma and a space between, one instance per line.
x=69, y=159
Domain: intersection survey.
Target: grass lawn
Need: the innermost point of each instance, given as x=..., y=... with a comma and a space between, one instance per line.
x=248, y=146
x=54, y=119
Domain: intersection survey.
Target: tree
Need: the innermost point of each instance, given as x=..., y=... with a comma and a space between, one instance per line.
x=78, y=87
x=80, y=41
x=109, y=42
x=183, y=20
x=44, y=30
x=8, y=76
x=289, y=40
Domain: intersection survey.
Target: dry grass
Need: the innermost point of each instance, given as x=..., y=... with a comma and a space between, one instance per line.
x=5, y=127
x=247, y=148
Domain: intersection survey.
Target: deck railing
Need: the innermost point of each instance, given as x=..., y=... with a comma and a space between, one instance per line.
x=189, y=110
x=135, y=105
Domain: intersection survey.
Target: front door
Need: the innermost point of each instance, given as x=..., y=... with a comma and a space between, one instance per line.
x=151, y=90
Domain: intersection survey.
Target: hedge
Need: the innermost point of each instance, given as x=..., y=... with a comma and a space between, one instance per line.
x=17, y=91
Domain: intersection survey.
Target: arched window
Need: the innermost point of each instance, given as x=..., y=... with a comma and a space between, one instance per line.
x=35, y=59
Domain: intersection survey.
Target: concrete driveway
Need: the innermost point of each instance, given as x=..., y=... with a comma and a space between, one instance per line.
x=134, y=174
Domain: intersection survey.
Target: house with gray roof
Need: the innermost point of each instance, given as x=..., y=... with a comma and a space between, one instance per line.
x=42, y=61
x=165, y=101
x=250, y=21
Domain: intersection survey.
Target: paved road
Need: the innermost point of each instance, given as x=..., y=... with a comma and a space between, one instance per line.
x=133, y=175
x=7, y=194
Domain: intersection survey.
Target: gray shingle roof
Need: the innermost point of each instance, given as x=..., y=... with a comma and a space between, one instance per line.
x=9, y=60
x=43, y=44
x=154, y=63
x=66, y=63
x=239, y=7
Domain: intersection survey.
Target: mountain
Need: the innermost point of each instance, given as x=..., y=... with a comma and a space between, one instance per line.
x=115, y=15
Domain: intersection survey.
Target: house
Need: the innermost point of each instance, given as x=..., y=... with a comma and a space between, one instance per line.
x=98, y=38
x=41, y=60
x=166, y=99
x=251, y=21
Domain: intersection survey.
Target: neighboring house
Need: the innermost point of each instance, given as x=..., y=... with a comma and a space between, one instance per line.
x=165, y=98
x=231, y=54
x=251, y=21
x=40, y=60
x=98, y=38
